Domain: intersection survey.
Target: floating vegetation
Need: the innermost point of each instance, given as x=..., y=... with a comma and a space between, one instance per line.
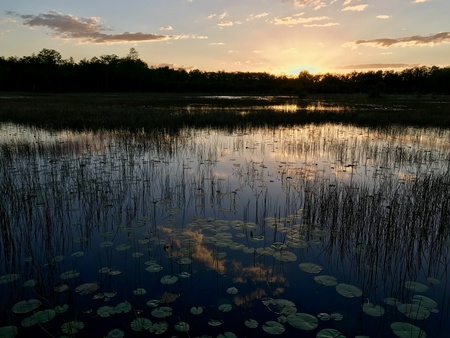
x=416, y=286
x=407, y=330
x=26, y=306
x=303, y=321
x=72, y=327
x=182, y=326
x=310, y=267
x=8, y=331
x=373, y=310
x=141, y=324
x=273, y=327
x=87, y=288
x=202, y=224
x=348, y=290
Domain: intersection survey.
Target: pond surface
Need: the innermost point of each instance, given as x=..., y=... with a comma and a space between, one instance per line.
x=303, y=231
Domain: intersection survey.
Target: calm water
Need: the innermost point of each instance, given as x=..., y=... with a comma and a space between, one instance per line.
x=249, y=232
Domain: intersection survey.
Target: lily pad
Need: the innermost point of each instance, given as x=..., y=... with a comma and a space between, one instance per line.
x=61, y=288
x=348, y=290
x=232, y=290
x=251, y=323
x=373, y=310
x=141, y=324
x=215, y=322
x=116, y=333
x=407, y=330
x=139, y=292
x=167, y=280
x=416, y=286
x=326, y=280
x=273, y=327
x=310, y=267
x=106, y=311
x=285, y=256
x=29, y=283
x=303, y=321
x=159, y=328
x=123, y=307
x=26, y=306
x=8, y=331
x=414, y=311
x=182, y=326
x=424, y=301
x=87, y=288
x=5, y=279
x=196, y=310
x=162, y=312
x=69, y=274
x=329, y=333
x=61, y=308
x=72, y=327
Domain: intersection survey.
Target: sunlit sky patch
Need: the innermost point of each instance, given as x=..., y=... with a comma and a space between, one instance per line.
x=275, y=36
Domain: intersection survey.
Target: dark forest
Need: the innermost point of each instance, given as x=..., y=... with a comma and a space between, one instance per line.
x=47, y=71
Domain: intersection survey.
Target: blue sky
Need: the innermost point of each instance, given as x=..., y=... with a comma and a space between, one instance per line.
x=275, y=36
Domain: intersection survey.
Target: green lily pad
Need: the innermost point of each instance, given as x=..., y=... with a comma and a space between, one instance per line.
x=139, y=292
x=329, y=333
x=123, y=307
x=116, y=333
x=61, y=288
x=424, y=301
x=310, y=267
x=61, y=308
x=26, y=306
x=196, y=310
x=348, y=290
x=5, y=279
x=106, y=311
x=72, y=327
x=29, y=283
x=215, y=322
x=373, y=310
x=232, y=290
x=167, y=280
x=326, y=280
x=159, y=328
x=273, y=327
x=8, y=331
x=285, y=256
x=141, y=324
x=227, y=334
x=251, y=323
x=69, y=274
x=414, y=311
x=86, y=288
x=303, y=321
x=407, y=330
x=162, y=312
x=416, y=286
x=182, y=326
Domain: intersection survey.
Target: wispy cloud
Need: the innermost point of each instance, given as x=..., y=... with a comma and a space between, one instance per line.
x=257, y=16
x=416, y=40
x=166, y=28
x=378, y=66
x=356, y=8
x=297, y=19
x=218, y=16
x=329, y=24
x=92, y=30
x=225, y=24
x=348, y=2
x=420, y=1
x=383, y=17
x=317, y=4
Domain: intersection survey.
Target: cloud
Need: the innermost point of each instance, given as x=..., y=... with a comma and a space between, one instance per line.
x=378, y=66
x=383, y=17
x=166, y=28
x=357, y=8
x=317, y=4
x=329, y=24
x=416, y=40
x=298, y=19
x=225, y=24
x=217, y=16
x=348, y=2
x=91, y=30
x=420, y=1
x=257, y=16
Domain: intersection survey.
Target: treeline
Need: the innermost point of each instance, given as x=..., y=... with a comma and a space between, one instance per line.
x=47, y=71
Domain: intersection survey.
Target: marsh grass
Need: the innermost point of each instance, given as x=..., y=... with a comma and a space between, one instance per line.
x=370, y=205
x=172, y=112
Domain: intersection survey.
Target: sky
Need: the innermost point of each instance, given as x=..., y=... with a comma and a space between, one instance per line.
x=273, y=36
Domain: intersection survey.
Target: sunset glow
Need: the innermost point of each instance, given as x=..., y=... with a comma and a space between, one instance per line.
x=277, y=36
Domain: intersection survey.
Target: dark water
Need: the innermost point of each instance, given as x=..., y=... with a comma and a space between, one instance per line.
x=164, y=227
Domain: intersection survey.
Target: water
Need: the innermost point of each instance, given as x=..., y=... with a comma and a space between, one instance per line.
x=222, y=222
